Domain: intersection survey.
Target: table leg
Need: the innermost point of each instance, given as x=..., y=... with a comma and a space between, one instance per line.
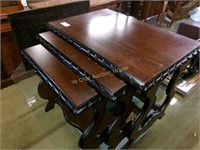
x=148, y=114
x=162, y=15
x=90, y=122
x=135, y=123
x=159, y=113
x=107, y=120
x=93, y=136
x=81, y=121
x=126, y=109
x=46, y=92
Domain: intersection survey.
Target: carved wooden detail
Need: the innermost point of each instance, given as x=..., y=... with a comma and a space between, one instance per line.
x=112, y=67
x=108, y=115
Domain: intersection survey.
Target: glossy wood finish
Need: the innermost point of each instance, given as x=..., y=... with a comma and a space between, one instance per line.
x=115, y=41
x=146, y=50
x=137, y=127
x=123, y=41
x=105, y=78
x=57, y=86
x=46, y=61
x=96, y=122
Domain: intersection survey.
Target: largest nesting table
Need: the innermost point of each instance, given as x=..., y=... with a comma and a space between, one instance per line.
x=104, y=68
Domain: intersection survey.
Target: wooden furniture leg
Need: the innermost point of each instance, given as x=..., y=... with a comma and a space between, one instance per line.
x=148, y=114
x=148, y=10
x=80, y=121
x=127, y=107
x=92, y=137
x=46, y=92
x=102, y=130
x=93, y=122
x=160, y=112
x=177, y=8
x=135, y=123
x=162, y=15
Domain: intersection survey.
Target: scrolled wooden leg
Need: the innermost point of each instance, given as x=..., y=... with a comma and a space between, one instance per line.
x=153, y=116
x=134, y=125
x=46, y=92
x=126, y=103
x=50, y=105
x=137, y=123
x=98, y=132
x=92, y=136
x=81, y=121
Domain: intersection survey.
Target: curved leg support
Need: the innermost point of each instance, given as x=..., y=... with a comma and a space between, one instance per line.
x=92, y=137
x=126, y=101
x=46, y=92
x=145, y=119
x=81, y=121
x=159, y=113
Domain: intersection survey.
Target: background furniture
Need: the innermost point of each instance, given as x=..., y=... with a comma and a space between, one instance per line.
x=180, y=9
x=10, y=56
x=101, y=4
x=191, y=77
x=48, y=3
x=190, y=29
x=142, y=9
x=94, y=4
x=28, y=24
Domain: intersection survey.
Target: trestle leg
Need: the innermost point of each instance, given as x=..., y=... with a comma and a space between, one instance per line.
x=126, y=103
x=93, y=136
x=101, y=130
x=89, y=122
x=160, y=112
x=96, y=131
x=148, y=115
x=134, y=124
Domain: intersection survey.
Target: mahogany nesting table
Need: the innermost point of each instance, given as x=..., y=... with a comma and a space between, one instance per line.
x=93, y=65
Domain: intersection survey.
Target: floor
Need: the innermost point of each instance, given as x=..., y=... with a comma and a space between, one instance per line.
x=25, y=125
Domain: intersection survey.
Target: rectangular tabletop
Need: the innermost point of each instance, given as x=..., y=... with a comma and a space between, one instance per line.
x=103, y=80
x=149, y=53
x=60, y=77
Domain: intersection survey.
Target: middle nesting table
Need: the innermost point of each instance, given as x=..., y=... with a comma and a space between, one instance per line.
x=116, y=94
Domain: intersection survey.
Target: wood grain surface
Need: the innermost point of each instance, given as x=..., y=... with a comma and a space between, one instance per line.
x=122, y=40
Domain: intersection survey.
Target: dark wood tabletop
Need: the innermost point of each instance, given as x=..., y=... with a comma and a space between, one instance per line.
x=107, y=41
x=105, y=81
x=149, y=53
x=76, y=95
